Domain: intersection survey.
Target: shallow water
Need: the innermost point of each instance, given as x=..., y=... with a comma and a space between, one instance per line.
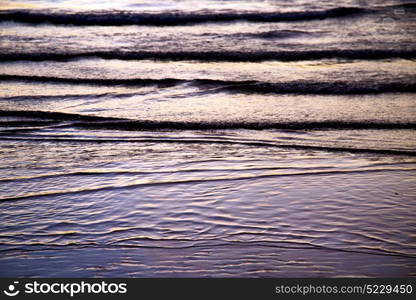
x=209, y=138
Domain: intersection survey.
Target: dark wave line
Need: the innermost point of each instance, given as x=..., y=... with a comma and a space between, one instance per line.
x=234, y=56
x=23, y=123
x=321, y=88
x=409, y=5
x=98, y=81
x=306, y=171
x=29, y=129
x=53, y=115
x=96, y=122
x=186, y=181
x=152, y=125
x=248, y=86
x=121, y=173
x=273, y=34
x=59, y=97
x=39, y=246
x=210, y=141
x=218, y=243
x=174, y=18
x=284, y=245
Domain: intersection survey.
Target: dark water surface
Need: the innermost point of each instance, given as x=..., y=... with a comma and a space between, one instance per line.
x=207, y=138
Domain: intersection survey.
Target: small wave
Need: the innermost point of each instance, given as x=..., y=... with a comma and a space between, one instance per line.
x=57, y=193
x=273, y=34
x=209, y=141
x=96, y=122
x=283, y=171
x=98, y=81
x=174, y=18
x=232, y=56
x=208, y=244
x=23, y=123
x=66, y=96
x=322, y=88
x=247, y=86
x=403, y=5
x=157, y=125
x=51, y=115
x=251, y=144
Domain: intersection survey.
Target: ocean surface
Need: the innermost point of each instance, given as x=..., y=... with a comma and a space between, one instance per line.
x=207, y=138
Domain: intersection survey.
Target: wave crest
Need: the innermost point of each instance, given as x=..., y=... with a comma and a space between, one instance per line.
x=231, y=56
x=174, y=18
x=247, y=86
